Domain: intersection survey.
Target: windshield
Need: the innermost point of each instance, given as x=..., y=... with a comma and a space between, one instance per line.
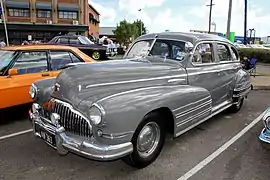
x=84, y=40
x=5, y=59
x=140, y=48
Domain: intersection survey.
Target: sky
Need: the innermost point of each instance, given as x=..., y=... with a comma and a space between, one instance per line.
x=184, y=15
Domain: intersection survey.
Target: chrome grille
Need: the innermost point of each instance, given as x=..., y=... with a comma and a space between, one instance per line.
x=72, y=120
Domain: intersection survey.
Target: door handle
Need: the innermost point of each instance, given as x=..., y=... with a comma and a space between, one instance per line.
x=45, y=74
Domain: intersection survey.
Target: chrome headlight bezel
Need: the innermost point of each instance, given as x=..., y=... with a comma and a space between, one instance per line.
x=96, y=114
x=266, y=119
x=33, y=91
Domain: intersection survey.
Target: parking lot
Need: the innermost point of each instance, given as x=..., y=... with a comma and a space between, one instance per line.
x=25, y=157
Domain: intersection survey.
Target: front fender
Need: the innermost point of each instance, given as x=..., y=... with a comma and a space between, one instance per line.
x=125, y=110
x=45, y=90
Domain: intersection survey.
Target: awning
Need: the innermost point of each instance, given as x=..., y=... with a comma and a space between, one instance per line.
x=44, y=5
x=17, y=4
x=68, y=7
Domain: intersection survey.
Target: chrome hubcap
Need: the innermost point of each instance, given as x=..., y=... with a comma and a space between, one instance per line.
x=148, y=139
x=96, y=55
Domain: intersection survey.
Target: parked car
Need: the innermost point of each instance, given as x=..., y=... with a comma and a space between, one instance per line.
x=20, y=66
x=95, y=51
x=265, y=133
x=166, y=83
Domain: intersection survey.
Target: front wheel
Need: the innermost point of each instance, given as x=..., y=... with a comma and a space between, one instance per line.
x=95, y=55
x=148, y=141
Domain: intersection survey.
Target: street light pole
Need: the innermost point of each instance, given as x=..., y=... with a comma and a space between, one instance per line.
x=4, y=21
x=245, y=24
x=229, y=19
x=141, y=20
x=210, y=15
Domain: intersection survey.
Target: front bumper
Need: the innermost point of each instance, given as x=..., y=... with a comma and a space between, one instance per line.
x=66, y=142
x=265, y=136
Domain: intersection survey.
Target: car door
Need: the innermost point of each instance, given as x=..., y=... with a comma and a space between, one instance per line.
x=59, y=58
x=29, y=66
x=228, y=66
x=203, y=71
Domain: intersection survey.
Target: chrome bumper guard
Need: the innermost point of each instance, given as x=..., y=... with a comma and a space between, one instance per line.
x=265, y=136
x=241, y=92
x=66, y=142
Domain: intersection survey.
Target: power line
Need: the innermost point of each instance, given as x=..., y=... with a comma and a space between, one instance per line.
x=210, y=15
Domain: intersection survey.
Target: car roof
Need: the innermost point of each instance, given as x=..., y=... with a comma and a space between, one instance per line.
x=186, y=36
x=39, y=47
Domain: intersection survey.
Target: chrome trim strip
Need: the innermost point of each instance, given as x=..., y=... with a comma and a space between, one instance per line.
x=199, y=106
x=192, y=103
x=208, y=117
x=135, y=81
x=117, y=135
x=208, y=110
x=220, y=105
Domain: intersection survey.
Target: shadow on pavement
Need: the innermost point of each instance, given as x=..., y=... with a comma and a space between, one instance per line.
x=12, y=114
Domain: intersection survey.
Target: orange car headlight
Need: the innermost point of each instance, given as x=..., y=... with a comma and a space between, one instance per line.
x=33, y=91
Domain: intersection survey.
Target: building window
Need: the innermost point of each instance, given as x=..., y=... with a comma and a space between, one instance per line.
x=44, y=13
x=18, y=12
x=68, y=15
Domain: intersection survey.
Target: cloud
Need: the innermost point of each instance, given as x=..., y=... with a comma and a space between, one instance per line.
x=107, y=14
x=132, y=6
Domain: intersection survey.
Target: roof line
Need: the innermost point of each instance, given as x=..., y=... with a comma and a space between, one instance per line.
x=92, y=7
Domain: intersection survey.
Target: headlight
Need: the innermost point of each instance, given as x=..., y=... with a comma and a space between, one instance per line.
x=96, y=114
x=33, y=91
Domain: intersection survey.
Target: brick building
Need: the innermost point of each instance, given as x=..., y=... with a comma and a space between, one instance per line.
x=92, y=20
x=44, y=19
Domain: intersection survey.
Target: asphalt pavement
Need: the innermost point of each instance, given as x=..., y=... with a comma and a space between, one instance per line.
x=26, y=157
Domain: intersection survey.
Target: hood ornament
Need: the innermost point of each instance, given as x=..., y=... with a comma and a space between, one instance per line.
x=80, y=88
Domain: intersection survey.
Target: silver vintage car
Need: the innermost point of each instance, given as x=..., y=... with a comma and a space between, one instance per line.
x=123, y=109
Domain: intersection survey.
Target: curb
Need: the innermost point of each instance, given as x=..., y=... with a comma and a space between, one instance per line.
x=261, y=87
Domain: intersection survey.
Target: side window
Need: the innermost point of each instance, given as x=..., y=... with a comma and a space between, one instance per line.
x=74, y=58
x=62, y=40
x=170, y=49
x=203, y=54
x=235, y=55
x=74, y=41
x=223, y=52
x=59, y=59
x=31, y=62
x=160, y=49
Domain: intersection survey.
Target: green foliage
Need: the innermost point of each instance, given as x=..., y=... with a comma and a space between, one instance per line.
x=262, y=55
x=126, y=32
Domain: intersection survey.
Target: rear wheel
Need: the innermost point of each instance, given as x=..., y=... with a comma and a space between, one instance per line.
x=238, y=103
x=148, y=141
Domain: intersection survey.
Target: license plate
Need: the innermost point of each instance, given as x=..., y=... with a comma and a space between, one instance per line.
x=47, y=137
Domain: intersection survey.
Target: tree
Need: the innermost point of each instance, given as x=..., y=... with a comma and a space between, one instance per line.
x=126, y=32
x=139, y=24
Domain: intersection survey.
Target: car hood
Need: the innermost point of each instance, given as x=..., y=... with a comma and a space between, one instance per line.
x=91, y=82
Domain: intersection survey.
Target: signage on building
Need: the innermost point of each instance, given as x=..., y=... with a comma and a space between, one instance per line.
x=29, y=38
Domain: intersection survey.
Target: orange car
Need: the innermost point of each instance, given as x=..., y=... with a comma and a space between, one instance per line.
x=20, y=66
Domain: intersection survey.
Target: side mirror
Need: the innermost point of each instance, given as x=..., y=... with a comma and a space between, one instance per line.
x=12, y=72
x=189, y=47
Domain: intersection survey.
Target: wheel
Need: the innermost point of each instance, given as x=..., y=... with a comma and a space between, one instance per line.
x=236, y=107
x=148, y=141
x=95, y=55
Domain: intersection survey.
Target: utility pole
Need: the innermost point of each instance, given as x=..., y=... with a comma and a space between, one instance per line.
x=4, y=21
x=210, y=15
x=245, y=24
x=229, y=19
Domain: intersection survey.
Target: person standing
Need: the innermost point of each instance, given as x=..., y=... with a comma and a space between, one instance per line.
x=2, y=43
